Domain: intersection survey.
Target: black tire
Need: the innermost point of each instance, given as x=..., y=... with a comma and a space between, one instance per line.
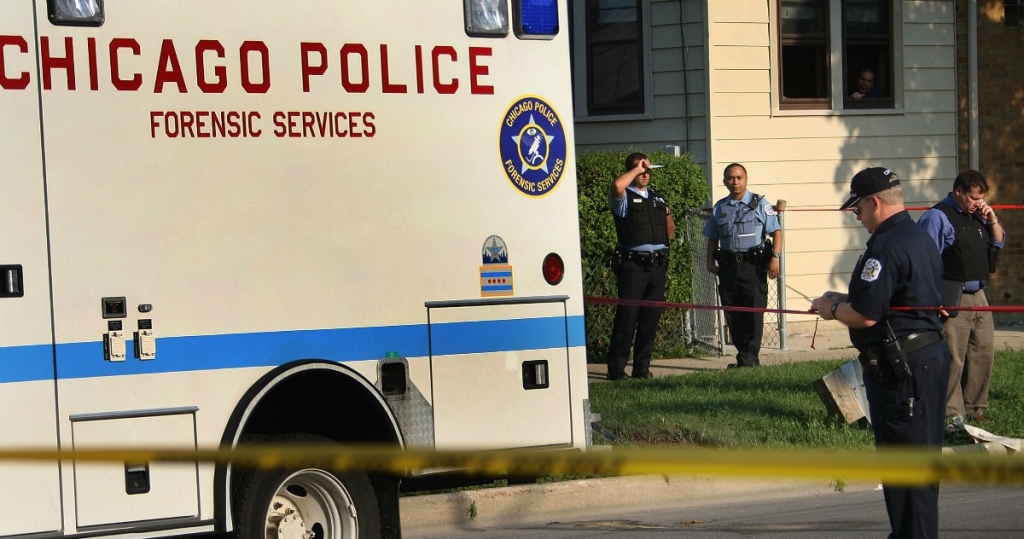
x=331, y=505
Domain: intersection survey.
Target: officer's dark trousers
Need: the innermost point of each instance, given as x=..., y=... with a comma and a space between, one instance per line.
x=744, y=284
x=636, y=326
x=913, y=512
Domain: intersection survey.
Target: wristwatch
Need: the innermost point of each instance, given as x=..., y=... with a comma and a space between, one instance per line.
x=776, y=255
x=833, y=309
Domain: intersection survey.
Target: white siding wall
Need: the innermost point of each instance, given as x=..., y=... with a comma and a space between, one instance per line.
x=809, y=158
x=679, y=114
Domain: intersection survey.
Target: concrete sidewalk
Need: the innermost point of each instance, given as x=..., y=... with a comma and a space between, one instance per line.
x=829, y=343
x=607, y=498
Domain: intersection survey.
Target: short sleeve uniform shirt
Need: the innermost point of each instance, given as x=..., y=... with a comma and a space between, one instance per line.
x=739, y=228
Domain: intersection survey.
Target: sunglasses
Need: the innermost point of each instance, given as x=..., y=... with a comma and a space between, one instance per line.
x=856, y=207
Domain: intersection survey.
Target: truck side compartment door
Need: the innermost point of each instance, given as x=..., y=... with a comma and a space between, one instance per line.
x=30, y=494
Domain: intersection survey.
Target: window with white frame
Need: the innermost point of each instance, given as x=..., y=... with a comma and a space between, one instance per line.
x=611, y=58
x=813, y=33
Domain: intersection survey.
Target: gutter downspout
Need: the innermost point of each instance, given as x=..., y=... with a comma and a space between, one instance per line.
x=972, y=84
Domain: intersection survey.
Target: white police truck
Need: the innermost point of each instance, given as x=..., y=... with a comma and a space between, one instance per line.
x=286, y=222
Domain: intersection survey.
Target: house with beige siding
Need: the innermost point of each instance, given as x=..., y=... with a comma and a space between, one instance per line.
x=768, y=83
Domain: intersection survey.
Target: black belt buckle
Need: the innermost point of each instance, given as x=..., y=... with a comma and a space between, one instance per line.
x=739, y=257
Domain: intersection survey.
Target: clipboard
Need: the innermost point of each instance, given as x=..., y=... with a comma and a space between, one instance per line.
x=949, y=293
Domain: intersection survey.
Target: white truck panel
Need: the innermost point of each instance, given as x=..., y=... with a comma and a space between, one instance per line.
x=316, y=223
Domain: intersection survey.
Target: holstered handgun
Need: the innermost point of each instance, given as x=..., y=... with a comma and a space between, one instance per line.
x=767, y=251
x=886, y=364
x=617, y=258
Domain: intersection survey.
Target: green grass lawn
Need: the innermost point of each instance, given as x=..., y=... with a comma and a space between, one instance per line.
x=767, y=407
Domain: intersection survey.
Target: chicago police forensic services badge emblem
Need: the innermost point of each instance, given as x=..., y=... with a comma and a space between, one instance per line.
x=532, y=146
x=871, y=270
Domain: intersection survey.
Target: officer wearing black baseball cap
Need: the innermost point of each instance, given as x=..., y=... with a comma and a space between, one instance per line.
x=868, y=182
x=906, y=362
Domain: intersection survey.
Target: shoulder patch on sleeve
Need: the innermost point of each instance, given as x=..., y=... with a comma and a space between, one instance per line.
x=769, y=209
x=872, y=268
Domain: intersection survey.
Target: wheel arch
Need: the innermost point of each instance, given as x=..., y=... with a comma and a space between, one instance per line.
x=312, y=397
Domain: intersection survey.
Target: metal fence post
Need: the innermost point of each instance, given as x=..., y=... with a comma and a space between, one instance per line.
x=781, y=281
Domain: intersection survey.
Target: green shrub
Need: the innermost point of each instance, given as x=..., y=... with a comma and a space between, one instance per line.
x=683, y=184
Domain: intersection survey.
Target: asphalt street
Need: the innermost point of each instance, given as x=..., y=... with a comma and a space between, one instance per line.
x=965, y=512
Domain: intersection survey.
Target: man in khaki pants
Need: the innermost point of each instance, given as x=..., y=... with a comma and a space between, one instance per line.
x=968, y=234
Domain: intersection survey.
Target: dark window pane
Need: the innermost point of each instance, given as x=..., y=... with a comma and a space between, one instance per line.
x=804, y=71
x=614, y=57
x=804, y=17
x=613, y=20
x=804, y=53
x=866, y=17
x=615, y=78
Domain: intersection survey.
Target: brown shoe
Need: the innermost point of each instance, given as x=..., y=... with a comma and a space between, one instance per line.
x=979, y=416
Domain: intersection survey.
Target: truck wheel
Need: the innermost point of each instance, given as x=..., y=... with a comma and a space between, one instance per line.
x=308, y=503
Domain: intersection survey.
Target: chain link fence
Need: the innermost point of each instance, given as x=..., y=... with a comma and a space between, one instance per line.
x=682, y=332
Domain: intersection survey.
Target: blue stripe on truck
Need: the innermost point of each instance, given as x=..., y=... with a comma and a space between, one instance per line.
x=208, y=352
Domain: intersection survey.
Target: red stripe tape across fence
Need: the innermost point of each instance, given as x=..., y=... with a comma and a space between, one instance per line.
x=674, y=305
x=912, y=208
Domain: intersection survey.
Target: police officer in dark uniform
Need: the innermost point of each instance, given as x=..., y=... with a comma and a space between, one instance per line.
x=743, y=260
x=643, y=225
x=906, y=362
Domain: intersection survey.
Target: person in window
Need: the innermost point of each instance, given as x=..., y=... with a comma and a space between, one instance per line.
x=865, y=85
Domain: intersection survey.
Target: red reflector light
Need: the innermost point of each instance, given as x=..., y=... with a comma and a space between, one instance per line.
x=553, y=268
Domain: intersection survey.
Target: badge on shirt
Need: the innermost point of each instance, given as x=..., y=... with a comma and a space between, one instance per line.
x=871, y=270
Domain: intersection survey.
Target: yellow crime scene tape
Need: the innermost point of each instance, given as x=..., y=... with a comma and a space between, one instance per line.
x=894, y=466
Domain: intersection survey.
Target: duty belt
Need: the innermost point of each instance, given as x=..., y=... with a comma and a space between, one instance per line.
x=740, y=258
x=917, y=341
x=644, y=257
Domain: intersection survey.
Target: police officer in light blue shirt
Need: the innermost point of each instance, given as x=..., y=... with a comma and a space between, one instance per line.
x=743, y=259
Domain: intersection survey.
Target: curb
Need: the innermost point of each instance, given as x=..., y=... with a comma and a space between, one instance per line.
x=570, y=499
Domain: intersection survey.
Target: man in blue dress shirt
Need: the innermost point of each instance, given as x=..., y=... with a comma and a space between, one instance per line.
x=968, y=234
